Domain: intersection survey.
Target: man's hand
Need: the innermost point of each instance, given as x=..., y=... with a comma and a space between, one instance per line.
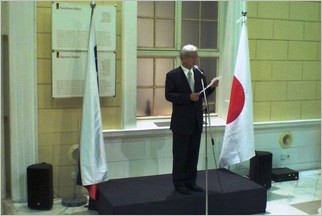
x=194, y=96
x=214, y=83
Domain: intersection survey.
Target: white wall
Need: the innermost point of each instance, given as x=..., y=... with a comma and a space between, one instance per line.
x=143, y=152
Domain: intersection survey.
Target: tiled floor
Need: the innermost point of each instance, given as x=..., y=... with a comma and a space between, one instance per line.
x=298, y=197
x=283, y=198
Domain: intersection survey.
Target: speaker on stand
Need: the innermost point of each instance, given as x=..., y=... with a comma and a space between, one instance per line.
x=260, y=169
x=40, y=186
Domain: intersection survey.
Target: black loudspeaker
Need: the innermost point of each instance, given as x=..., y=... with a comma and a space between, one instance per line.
x=260, y=169
x=40, y=186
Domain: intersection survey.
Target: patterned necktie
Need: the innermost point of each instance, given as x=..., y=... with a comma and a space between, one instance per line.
x=190, y=80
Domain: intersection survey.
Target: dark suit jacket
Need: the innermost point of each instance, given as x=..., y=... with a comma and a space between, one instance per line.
x=184, y=112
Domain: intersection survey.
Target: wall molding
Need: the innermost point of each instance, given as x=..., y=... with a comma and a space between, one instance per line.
x=148, y=128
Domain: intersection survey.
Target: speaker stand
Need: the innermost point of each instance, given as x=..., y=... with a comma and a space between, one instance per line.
x=75, y=200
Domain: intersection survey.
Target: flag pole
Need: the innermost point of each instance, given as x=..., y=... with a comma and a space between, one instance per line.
x=93, y=165
x=239, y=145
x=93, y=5
x=77, y=199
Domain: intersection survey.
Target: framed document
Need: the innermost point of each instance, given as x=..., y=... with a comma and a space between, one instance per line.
x=70, y=32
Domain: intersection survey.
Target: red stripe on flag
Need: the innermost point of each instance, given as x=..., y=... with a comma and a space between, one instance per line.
x=237, y=100
x=92, y=191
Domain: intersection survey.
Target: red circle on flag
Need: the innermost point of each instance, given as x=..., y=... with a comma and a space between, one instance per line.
x=237, y=100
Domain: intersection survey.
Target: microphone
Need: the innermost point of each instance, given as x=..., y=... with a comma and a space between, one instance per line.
x=196, y=67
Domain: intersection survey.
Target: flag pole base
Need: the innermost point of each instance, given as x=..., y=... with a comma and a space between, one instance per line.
x=74, y=201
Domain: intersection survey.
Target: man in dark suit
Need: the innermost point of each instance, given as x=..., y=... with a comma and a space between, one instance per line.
x=182, y=87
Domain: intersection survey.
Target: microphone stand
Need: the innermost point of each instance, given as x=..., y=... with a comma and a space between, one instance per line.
x=207, y=121
x=206, y=146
